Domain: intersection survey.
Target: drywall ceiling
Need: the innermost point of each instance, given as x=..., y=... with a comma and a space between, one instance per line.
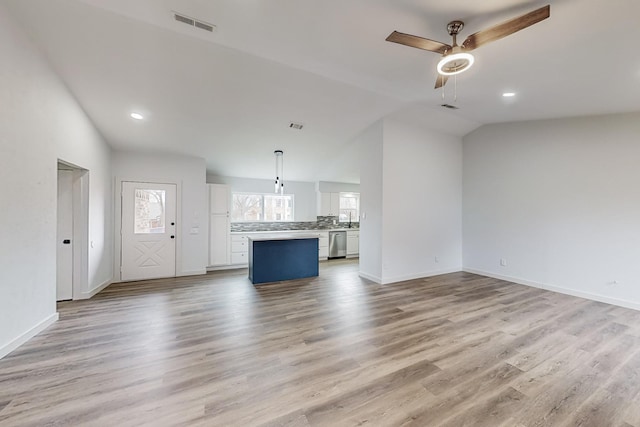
x=229, y=96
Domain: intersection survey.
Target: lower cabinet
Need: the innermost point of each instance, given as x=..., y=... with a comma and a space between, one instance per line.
x=353, y=243
x=239, y=249
x=323, y=245
x=240, y=258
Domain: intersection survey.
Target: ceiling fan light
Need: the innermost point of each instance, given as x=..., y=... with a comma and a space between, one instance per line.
x=455, y=63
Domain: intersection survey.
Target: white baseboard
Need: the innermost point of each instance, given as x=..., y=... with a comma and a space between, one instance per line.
x=373, y=278
x=178, y=274
x=228, y=267
x=192, y=273
x=26, y=336
x=559, y=289
x=395, y=279
x=92, y=292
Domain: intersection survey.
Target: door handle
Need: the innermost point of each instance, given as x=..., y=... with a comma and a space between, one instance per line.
x=173, y=223
x=66, y=242
x=173, y=237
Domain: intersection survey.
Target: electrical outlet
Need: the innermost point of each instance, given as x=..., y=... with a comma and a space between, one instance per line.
x=503, y=262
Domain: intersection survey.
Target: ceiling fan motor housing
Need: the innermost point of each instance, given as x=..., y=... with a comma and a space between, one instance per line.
x=454, y=27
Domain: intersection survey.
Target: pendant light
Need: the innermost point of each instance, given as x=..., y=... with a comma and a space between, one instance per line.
x=279, y=185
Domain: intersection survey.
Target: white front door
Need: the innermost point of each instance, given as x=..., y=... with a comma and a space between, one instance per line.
x=148, y=231
x=64, y=237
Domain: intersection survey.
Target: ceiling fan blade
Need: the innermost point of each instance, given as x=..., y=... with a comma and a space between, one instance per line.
x=441, y=81
x=506, y=28
x=418, y=42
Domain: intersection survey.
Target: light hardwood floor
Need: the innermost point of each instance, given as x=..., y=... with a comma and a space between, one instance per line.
x=336, y=350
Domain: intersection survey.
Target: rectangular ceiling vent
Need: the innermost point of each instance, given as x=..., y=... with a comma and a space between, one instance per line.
x=449, y=106
x=194, y=22
x=204, y=26
x=183, y=19
x=297, y=126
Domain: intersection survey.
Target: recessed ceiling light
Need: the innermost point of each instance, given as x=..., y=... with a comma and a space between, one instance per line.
x=509, y=94
x=136, y=116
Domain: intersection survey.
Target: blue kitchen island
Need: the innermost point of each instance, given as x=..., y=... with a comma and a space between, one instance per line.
x=285, y=257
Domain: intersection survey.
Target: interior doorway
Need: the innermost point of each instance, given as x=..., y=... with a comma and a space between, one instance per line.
x=64, y=236
x=72, y=235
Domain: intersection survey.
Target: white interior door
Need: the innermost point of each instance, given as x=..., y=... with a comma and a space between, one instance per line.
x=148, y=231
x=64, y=258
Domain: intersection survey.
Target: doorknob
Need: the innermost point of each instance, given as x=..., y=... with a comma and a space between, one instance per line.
x=173, y=237
x=173, y=223
x=66, y=242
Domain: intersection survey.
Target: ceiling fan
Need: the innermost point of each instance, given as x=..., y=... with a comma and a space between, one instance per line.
x=457, y=59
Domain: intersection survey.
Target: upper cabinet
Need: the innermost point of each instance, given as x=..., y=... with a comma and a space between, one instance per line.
x=329, y=204
x=218, y=199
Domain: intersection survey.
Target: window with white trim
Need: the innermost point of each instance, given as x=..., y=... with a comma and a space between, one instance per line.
x=246, y=207
x=349, y=207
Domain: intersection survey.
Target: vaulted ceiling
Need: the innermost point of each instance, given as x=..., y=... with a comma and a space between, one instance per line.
x=230, y=95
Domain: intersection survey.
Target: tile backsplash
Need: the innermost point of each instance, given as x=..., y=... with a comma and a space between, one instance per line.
x=322, y=223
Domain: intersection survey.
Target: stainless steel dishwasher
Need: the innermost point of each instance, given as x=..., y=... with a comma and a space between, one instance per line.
x=337, y=244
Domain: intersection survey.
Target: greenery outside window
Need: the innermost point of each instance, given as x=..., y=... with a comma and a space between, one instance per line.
x=349, y=207
x=247, y=207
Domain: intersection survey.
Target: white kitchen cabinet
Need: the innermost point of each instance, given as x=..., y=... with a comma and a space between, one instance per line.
x=323, y=245
x=353, y=243
x=218, y=199
x=240, y=258
x=219, y=225
x=239, y=249
x=329, y=204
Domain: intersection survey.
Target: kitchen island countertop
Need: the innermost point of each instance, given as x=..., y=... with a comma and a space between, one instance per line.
x=284, y=236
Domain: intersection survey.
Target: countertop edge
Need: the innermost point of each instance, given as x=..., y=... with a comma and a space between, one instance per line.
x=283, y=237
x=294, y=231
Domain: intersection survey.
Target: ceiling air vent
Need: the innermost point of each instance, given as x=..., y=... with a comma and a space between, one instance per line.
x=296, y=126
x=204, y=26
x=184, y=19
x=194, y=22
x=449, y=106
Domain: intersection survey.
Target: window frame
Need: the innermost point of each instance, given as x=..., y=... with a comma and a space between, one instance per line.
x=351, y=195
x=286, y=196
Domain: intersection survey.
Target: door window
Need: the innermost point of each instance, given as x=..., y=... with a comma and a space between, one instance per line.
x=149, y=211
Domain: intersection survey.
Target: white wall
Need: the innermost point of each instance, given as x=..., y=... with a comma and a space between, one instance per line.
x=189, y=174
x=304, y=193
x=422, y=190
x=411, y=201
x=369, y=145
x=558, y=199
x=40, y=122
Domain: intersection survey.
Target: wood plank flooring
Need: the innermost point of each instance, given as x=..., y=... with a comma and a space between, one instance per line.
x=337, y=350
